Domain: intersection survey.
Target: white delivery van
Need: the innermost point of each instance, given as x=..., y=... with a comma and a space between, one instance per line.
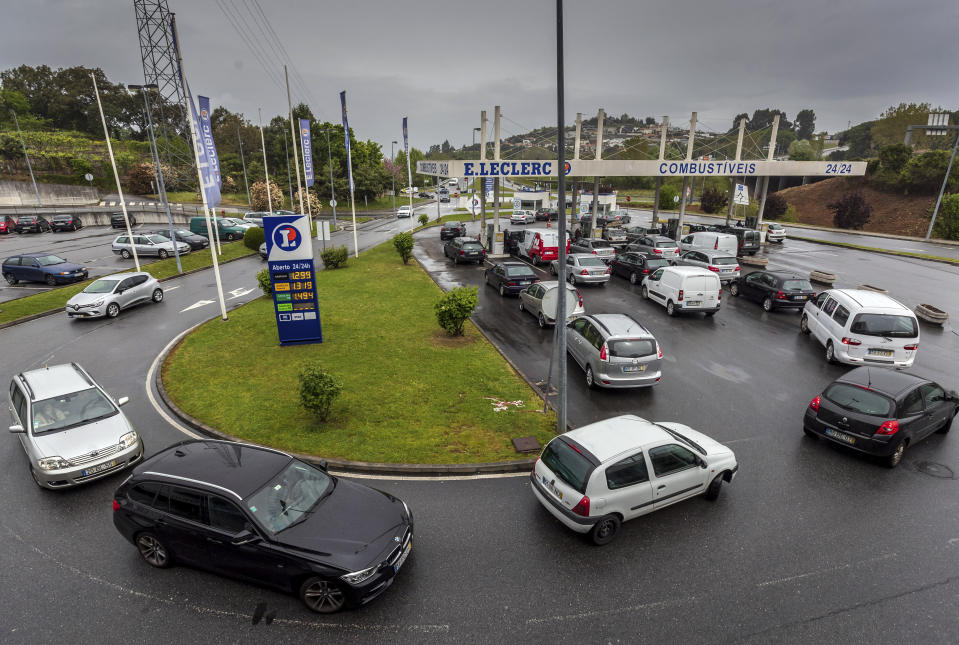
x=709, y=241
x=540, y=245
x=684, y=288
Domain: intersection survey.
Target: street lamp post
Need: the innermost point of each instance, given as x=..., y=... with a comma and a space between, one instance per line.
x=393, y=175
x=161, y=186
x=329, y=156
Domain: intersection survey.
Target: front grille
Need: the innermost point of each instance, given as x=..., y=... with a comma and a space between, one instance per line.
x=398, y=551
x=96, y=455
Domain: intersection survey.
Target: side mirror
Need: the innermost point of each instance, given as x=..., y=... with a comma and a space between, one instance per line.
x=323, y=465
x=702, y=463
x=123, y=400
x=953, y=395
x=246, y=536
x=17, y=429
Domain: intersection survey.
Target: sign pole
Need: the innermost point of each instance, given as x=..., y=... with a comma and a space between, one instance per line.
x=496, y=180
x=689, y=156
x=561, y=189
x=486, y=243
x=600, y=118
x=945, y=180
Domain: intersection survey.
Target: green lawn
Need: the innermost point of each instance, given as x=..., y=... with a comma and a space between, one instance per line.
x=411, y=394
x=57, y=298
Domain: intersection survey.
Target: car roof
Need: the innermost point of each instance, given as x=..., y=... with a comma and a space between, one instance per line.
x=515, y=264
x=56, y=380
x=889, y=382
x=239, y=468
x=611, y=437
x=123, y=276
x=688, y=270
x=36, y=255
x=871, y=299
x=787, y=275
x=620, y=324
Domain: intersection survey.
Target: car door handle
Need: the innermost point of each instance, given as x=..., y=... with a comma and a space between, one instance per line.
x=214, y=541
x=661, y=487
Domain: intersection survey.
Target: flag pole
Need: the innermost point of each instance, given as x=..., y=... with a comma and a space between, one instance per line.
x=116, y=176
x=293, y=130
x=349, y=172
x=269, y=197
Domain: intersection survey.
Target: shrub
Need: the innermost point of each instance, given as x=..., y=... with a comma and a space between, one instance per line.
x=318, y=390
x=851, y=211
x=253, y=238
x=263, y=279
x=404, y=245
x=924, y=173
x=334, y=257
x=894, y=157
x=259, y=198
x=455, y=307
x=776, y=206
x=713, y=200
x=424, y=219
x=666, y=195
x=140, y=180
x=947, y=221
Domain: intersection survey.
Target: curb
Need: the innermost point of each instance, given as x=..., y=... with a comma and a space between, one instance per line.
x=869, y=249
x=58, y=310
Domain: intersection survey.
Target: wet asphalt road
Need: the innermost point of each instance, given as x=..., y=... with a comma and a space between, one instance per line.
x=809, y=543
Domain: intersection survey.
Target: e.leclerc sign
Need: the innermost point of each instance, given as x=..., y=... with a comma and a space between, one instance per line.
x=292, y=272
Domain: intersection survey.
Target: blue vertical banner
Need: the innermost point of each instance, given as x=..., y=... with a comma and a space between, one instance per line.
x=346, y=135
x=488, y=188
x=210, y=187
x=206, y=132
x=307, y=149
x=289, y=253
x=406, y=149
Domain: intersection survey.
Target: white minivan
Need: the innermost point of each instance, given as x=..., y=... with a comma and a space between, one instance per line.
x=708, y=240
x=860, y=327
x=684, y=288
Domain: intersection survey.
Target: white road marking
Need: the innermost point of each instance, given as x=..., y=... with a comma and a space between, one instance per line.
x=610, y=612
x=239, y=293
x=841, y=567
x=171, y=288
x=197, y=305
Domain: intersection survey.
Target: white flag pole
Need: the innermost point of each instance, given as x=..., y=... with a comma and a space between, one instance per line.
x=269, y=197
x=196, y=160
x=123, y=203
x=294, y=130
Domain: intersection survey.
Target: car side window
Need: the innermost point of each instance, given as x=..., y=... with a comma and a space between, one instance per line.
x=13, y=262
x=570, y=260
x=498, y=270
x=138, y=280
x=186, y=504
x=671, y=458
x=841, y=316
x=225, y=516
x=830, y=306
x=912, y=404
x=932, y=393
x=579, y=325
x=753, y=278
x=122, y=239
x=144, y=493
x=592, y=336
x=627, y=472
x=657, y=275
x=820, y=299
x=688, y=239
x=126, y=284
x=19, y=404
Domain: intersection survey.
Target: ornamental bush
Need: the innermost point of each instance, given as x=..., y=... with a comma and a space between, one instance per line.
x=263, y=279
x=253, y=238
x=713, y=200
x=455, y=307
x=851, y=211
x=947, y=221
x=318, y=389
x=259, y=197
x=424, y=219
x=404, y=245
x=335, y=257
x=666, y=195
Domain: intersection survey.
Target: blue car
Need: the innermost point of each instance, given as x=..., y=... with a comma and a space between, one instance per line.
x=42, y=267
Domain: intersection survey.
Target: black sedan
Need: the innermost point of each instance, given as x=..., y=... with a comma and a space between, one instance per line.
x=449, y=230
x=546, y=214
x=510, y=277
x=195, y=241
x=464, y=249
x=774, y=289
x=635, y=266
x=260, y=515
x=880, y=411
x=65, y=223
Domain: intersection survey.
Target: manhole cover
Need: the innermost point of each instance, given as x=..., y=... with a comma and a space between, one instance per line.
x=526, y=444
x=935, y=470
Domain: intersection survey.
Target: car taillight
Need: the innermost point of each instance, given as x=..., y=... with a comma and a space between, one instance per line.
x=712, y=268
x=580, y=296
x=607, y=271
x=510, y=284
x=594, y=251
x=719, y=294
x=888, y=427
x=659, y=351
x=116, y=506
x=716, y=245
x=660, y=251
x=584, y=271
x=912, y=347
x=583, y=507
x=814, y=404
x=780, y=295
x=602, y=353
x=737, y=267
x=462, y=252
x=645, y=271
x=850, y=341
x=680, y=295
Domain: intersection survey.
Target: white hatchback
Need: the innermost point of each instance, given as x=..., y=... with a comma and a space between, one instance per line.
x=596, y=477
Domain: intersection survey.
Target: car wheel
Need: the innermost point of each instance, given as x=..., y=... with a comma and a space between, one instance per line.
x=605, y=530
x=322, y=596
x=502, y=291
x=158, y=295
x=712, y=491
x=113, y=310
x=895, y=458
x=645, y=293
x=590, y=381
x=552, y=269
x=125, y=254
x=541, y=319
x=522, y=307
x=163, y=254
x=50, y=280
x=830, y=353
x=154, y=551
x=633, y=278
x=767, y=303
x=670, y=308
x=10, y=278
x=571, y=279
x=734, y=289
x=804, y=324
x=229, y=237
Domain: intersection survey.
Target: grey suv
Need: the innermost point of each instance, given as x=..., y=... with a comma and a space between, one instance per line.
x=615, y=351
x=71, y=429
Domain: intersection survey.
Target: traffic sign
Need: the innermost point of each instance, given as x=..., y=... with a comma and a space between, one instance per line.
x=333, y=203
x=676, y=198
x=583, y=208
x=741, y=196
x=627, y=197
x=516, y=204
x=88, y=177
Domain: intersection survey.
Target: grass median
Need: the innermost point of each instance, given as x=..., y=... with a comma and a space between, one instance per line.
x=411, y=394
x=56, y=298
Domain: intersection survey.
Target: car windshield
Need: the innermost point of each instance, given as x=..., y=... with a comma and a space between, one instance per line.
x=724, y=261
x=26, y=220
x=797, y=285
x=858, y=399
x=885, y=325
x=62, y=218
x=775, y=227
x=632, y=348
x=101, y=286
x=47, y=260
x=591, y=262
x=69, y=410
x=289, y=496
x=686, y=440
x=157, y=239
x=568, y=464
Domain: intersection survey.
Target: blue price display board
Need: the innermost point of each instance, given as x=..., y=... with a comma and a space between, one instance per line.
x=292, y=273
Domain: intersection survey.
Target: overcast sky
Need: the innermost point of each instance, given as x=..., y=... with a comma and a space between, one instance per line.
x=441, y=62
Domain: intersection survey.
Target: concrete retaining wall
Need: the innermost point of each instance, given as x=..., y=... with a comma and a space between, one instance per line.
x=20, y=193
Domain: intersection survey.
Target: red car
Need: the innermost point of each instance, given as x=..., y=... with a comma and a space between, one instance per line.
x=6, y=224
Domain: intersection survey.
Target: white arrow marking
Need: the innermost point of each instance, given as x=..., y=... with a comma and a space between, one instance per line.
x=197, y=304
x=239, y=293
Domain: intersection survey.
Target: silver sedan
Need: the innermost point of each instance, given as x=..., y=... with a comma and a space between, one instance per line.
x=153, y=244
x=113, y=293
x=719, y=262
x=583, y=268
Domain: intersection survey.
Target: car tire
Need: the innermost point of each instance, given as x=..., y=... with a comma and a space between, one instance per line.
x=645, y=293
x=153, y=550
x=50, y=280
x=522, y=307
x=455, y=261
x=322, y=596
x=552, y=269
x=570, y=279
x=605, y=530
x=734, y=289
x=830, y=352
x=895, y=458
x=113, y=310
x=768, y=304
x=590, y=379
x=804, y=324
x=157, y=295
x=541, y=319
x=125, y=254
x=229, y=237
x=502, y=291
x=715, y=486
x=10, y=278
x=163, y=254
x=670, y=308
x=633, y=278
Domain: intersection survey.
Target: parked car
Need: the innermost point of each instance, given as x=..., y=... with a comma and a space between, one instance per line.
x=239, y=223
x=774, y=289
x=72, y=431
x=615, y=351
x=108, y=295
x=444, y=198
x=426, y=195
x=453, y=181
x=747, y=238
x=711, y=241
x=464, y=249
x=657, y=244
x=545, y=214
x=775, y=233
x=31, y=224
x=449, y=230
x=65, y=222
x=635, y=233
x=41, y=267
x=719, y=262
x=225, y=231
x=7, y=224
x=261, y=515
x=582, y=268
x=522, y=217
x=859, y=327
x=594, y=478
x=600, y=248
x=404, y=211
x=157, y=245
x=635, y=266
x=538, y=245
x=619, y=216
x=683, y=289
x=262, y=251
x=196, y=242
x=509, y=277
x=255, y=217
x=880, y=412
x=614, y=235
x=117, y=221
x=541, y=300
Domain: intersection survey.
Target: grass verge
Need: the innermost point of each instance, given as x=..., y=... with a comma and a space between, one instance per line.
x=858, y=247
x=411, y=394
x=57, y=298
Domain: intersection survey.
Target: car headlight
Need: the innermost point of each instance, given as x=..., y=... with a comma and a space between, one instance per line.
x=358, y=577
x=129, y=439
x=52, y=463
x=99, y=303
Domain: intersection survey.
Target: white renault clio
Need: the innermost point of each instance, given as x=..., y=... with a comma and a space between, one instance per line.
x=596, y=477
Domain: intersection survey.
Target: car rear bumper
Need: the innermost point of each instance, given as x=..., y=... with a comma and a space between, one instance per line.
x=842, y=355
x=880, y=447
x=572, y=521
x=623, y=380
x=74, y=475
x=591, y=279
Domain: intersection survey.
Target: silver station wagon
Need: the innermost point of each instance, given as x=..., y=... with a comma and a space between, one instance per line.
x=615, y=351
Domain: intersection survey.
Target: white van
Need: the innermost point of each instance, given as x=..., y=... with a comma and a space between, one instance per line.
x=709, y=241
x=540, y=245
x=683, y=288
x=860, y=327
x=453, y=181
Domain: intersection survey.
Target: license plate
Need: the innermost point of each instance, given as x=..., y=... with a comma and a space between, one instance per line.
x=799, y=297
x=694, y=303
x=552, y=488
x=842, y=436
x=523, y=283
x=634, y=368
x=725, y=270
x=881, y=352
x=98, y=468
x=406, y=553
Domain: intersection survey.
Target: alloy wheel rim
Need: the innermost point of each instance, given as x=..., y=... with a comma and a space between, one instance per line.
x=151, y=550
x=322, y=594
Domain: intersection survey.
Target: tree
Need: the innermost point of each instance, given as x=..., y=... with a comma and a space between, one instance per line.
x=763, y=119
x=713, y=200
x=739, y=117
x=776, y=206
x=924, y=173
x=318, y=389
x=890, y=128
x=650, y=120
x=801, y=150
x=403, y=243
x=859, y=140
x=455, y=308
x=851, y=211
x=259, y=198
x=894, y=157
x=805, y=124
